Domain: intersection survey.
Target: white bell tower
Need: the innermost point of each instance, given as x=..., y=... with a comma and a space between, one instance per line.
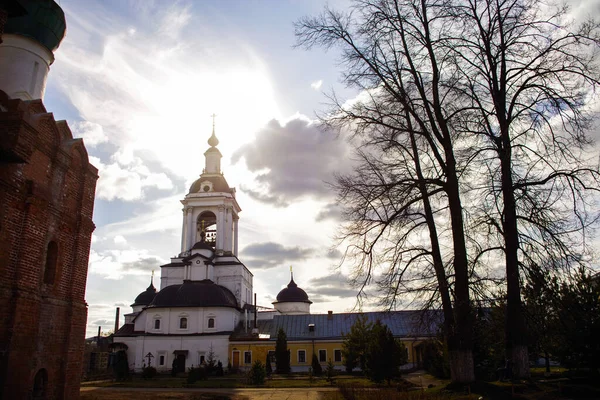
x=210, y=210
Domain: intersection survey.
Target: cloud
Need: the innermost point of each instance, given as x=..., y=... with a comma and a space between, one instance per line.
x=91, y=133
x=317, y=85
x=119, y=240
x=334, y=285
x=331, y=211
x=114, y=264
x=292, y=161
x=269, y=254
x=127, y=180
x=275, y=201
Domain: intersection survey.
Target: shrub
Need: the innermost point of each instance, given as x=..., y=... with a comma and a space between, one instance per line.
x=196, y=374
x=257, y=373
x=316, y=366
x=330, y=371
x=149, y=373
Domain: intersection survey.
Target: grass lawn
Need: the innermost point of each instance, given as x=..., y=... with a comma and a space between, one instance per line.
x=126, y=395
x=237, y=381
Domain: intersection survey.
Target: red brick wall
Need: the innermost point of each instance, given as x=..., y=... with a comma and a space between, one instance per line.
x=47, y=189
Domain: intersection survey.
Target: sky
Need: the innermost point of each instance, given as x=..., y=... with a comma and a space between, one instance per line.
x=138, y=80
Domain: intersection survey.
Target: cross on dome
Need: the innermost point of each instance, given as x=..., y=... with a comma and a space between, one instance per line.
x=213, y=141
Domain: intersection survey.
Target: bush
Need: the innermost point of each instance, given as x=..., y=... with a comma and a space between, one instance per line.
x=316, y=366
x=330, y=371
x=257, y=373
x=149, y=373
x=196, y=374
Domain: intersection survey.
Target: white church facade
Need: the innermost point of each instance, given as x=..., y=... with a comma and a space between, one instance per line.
x=206, y=291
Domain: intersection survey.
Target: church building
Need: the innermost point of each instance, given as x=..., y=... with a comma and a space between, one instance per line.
x=205, y=302
x=206, y=290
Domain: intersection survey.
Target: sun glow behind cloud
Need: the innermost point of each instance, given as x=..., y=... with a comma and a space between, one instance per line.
x=156, y=96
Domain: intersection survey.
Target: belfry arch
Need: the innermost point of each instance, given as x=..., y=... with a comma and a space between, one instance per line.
x=206, y=228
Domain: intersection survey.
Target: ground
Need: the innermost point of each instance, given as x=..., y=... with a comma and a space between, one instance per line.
x=414, y=386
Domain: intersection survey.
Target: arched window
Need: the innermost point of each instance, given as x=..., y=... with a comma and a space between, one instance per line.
x=207, y=228
x=157, y=324
x=40, y=383
x=183, y=323
x=50, y=267
x=211, y=322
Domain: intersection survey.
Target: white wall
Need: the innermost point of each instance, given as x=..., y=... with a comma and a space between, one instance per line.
x=140, y=346
x=24, y=66
x=197, y=320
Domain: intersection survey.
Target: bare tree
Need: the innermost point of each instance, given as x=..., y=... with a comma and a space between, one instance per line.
x=392, y=49
x=482, y=101
x=529, y=76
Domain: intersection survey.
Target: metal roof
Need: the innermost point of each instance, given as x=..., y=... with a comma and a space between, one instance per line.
x=401, y=323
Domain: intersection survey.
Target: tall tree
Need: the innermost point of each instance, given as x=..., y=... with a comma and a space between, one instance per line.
x=529, y=75
x=282, y=355
x=393, y=51
x=476, y=102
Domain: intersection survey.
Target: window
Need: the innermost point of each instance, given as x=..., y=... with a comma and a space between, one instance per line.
x=202, y=359
x=161, y=360
x=272, y=356
x=157, y=324
x=51, y=258
x=337, y=355
x=183, y=323
x=301, y=356
x=211, y=322
x=247, y=357
x=322, y=355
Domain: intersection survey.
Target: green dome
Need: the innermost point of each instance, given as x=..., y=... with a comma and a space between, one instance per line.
x=41, y=20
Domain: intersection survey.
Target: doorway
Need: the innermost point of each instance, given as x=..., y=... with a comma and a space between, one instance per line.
x=180, y=363
x=236, y=359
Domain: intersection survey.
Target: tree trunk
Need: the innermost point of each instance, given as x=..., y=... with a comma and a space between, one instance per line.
x=516, y=343
x=461, y=366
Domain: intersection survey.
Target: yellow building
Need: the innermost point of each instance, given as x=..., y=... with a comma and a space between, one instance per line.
x=322, y=335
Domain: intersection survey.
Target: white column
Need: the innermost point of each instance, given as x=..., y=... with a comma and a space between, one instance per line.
x=220, y=230
x=235, y=237
x=189, y=229
x=183, y=231
x=228, y=230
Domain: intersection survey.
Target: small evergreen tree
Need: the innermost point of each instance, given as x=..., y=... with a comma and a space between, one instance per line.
x=257, y=373
x=355, y=344
x=220, y=369
x=384, y=354
x=330, y=371
x=211, y=361
x=316, y=366
x=282, y=355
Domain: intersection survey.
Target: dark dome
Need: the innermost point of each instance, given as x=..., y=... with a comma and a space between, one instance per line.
x=219, y=184
x=202, y=245
x=43, y=21
x=203, y=293
x=145, y=297
x=292, y=294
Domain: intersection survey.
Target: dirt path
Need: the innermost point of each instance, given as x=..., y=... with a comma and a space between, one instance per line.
x=250, y=394
x=422, y=379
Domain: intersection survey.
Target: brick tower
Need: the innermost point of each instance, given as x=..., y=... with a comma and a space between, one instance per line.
x=47, y=188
